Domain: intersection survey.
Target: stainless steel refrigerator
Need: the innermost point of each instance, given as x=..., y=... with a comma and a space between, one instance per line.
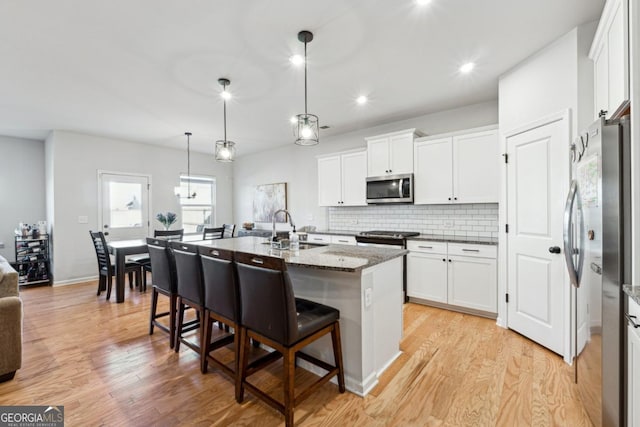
x=597, y=251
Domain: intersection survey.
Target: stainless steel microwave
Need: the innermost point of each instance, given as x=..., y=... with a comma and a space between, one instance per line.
x=390, y=189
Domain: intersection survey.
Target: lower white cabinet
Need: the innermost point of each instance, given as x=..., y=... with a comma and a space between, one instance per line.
x=462, y=275
x=633, y=366
x=326, y=239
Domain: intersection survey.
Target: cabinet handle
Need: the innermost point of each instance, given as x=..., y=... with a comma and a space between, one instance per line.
x=426, y=247
x=630, y=319
x=444, y=260
x=455, y=198
x=317, y=238
x=449, y=260
x=470, y=250
x=449, y=198
x=343, y=241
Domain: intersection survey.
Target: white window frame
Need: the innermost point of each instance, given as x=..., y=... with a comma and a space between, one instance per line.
x=184, y=179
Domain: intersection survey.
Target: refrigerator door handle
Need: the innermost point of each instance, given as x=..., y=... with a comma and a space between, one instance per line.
x=568, y=235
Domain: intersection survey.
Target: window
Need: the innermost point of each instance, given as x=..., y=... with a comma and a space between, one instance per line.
x=199, y=211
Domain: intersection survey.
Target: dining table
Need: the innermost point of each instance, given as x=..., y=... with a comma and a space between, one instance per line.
x=120, y=249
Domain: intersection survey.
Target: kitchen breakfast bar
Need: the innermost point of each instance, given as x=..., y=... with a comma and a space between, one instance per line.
x=364, y=283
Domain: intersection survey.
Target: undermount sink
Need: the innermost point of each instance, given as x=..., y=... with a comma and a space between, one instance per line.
x=303, y=245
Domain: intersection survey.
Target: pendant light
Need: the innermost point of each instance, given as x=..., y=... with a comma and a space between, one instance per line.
x=306, y=127
x=225, y=149
x=178, y=189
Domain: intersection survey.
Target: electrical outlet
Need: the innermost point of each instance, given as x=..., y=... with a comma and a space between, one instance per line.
x=448, y=223
x=368, y=297
x=1, y=245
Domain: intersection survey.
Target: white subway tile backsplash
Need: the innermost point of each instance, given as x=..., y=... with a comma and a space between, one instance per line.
x=478, y=220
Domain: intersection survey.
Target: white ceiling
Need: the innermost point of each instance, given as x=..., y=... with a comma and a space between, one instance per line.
x=147, y=70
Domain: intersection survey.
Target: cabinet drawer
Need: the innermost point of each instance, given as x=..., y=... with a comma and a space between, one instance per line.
x=427, y=246
x=319, y=238
x=482, y=251
x=343, y=240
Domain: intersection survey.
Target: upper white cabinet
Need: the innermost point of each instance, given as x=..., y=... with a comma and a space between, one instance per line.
x=610, y=58
x=390, y=154
x=460, y=168
x=342, y=179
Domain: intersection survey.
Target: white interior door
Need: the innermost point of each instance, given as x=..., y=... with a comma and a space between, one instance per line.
x=537, y=174
x=124, y=205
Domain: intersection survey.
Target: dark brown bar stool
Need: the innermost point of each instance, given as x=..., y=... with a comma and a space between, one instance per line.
x=272, y=315
x=190, y=292
x=221, y=303
x=164, y=282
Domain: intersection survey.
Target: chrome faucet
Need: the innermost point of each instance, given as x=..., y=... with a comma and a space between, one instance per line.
x=273, y=223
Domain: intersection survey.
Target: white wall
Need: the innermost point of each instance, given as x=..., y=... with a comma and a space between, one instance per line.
x=558, y=77
x=74, y=160
x=297, y=166
x=634, y=71
x=22, y=187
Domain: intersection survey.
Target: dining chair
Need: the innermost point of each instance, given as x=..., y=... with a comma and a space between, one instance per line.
x=271, y=314
x=164, y=282
x=190, y=291
x=209, y=233
x=143, y=259
x=169, y=234
x=229, y=229
x=222, y=305
x=106, y=270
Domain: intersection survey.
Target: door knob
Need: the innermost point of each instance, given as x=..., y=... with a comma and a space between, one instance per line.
x=554, y=249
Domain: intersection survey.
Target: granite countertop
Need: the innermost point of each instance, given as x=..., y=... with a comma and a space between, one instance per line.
x=633, y=292
x=329, y=257
x=456, y=239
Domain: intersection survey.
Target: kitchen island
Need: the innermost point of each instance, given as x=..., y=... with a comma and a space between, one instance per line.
x=364, y=283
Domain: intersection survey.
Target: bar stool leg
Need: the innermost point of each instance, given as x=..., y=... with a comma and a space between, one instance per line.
x=289, y=385
x=242, y=355
x=173, y=300
x=154, y=307
x=179, y=320
x=337, y=354
x=205, y=339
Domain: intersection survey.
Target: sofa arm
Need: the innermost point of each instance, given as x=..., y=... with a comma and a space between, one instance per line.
x=10, y=334
x=8, y=280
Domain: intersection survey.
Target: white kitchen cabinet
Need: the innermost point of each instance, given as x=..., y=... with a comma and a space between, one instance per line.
x=344, y=240
x=323, y=239
x=633, y=367
x=342, y=179
x=610, y=58
x=390, y=154
x=458, y=275
x=460, y=168
x=427, y=276
x=326, y=239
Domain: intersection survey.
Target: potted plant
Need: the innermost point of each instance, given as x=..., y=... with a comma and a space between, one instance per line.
x=166, y=219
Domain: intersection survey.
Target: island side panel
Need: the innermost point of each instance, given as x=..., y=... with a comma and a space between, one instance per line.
x=341, y=290
x=386, y=309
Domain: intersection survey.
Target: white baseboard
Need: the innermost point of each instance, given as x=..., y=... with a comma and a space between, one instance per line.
x=74, y=281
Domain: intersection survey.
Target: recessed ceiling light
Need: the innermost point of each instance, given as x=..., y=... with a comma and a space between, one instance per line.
x=226, y=95
x=423, y=2
x=297, y=60
x=466, y=68
x=361, y=100
x=293, y=120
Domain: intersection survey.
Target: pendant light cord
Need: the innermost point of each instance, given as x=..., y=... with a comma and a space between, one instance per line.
x=224, y=103
x=188, y=167
x=305, y=78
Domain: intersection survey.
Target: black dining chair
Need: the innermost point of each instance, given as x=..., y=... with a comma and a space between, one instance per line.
x=106, y=270
x=165, y=283
x=210, y=233
x=271, y=314
x=143, y=259
x=221, y=303
x=229, y=229
x=169, y=234
x=190, y=291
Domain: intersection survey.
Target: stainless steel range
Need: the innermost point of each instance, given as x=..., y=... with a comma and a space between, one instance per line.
x=397, y=239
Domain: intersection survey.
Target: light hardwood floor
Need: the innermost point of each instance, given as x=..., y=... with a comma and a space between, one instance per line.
x=97, y=359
